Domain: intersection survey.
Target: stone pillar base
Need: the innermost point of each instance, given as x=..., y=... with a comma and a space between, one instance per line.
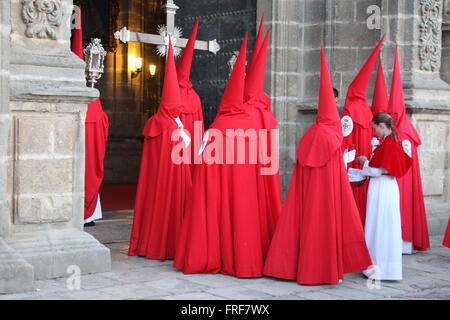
x=16, y=275
x=52, y=252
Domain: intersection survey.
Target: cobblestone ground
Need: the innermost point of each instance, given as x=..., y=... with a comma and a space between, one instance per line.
x=426, y=276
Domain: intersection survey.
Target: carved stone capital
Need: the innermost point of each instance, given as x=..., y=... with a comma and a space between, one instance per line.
x=430, y=30
x=42, y=18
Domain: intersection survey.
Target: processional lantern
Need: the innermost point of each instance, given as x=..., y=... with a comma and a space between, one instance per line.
x=94, y=55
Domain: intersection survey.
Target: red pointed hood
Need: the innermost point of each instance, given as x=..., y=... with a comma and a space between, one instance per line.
x=233, y=96
x=170, y=105
x=77, y=41
x=185, y=62
x=254, y=80
x=380, y=99
x=356, y=104
x=258, y=45
x=324, y=138
x=397, y=107
x=170, y=97
x=327, y=114
x=232, y=112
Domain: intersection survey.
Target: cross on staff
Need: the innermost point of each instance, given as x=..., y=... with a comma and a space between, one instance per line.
x=162, y=39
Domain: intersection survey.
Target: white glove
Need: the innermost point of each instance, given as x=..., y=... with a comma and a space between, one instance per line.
x=349, y=156
x=355, y=175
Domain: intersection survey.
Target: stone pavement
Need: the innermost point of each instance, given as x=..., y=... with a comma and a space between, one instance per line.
x=426, y=276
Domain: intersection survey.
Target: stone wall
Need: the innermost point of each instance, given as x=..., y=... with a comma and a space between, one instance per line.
x=48, y=98
x=346, y=29
x=445, y=65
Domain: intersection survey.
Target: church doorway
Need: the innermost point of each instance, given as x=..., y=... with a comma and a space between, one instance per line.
x=130, y=95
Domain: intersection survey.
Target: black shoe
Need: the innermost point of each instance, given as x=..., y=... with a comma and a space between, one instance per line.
x=90, y=224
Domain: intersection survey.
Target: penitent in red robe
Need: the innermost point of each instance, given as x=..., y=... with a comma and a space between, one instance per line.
x=319, y=236
x=257, y=104
x=191, y=113
x=414, y=220
x=223, y=229
x=357, y=109
x=163, y=185
x=96, y=136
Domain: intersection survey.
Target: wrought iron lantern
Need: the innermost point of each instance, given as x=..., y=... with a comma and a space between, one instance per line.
x=95, y=58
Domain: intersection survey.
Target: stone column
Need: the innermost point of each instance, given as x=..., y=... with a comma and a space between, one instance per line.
x=15, y=273
x=48, y=103
x=416, y=27
x=283, y=74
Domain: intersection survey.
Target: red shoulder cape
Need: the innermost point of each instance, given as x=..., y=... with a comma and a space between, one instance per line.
x=390, y=156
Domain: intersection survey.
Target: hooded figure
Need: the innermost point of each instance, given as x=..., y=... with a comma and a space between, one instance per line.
x=446, y=241
x=414, y=220
x=357, y=125
x=163, y=184
x=191, y=113
x=380, y=99
x=258, y=105
x=223, y=230
x=319, y=236
x=96, y=136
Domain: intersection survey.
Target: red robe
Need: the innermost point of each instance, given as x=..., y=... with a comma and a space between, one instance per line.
x=223, y=231
x=446, y=241
x=319, y=236
x=96, y=136
x=269, y=184
x=158, y=213
x=164, y=185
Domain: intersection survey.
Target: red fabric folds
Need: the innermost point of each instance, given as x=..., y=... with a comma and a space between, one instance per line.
x=390, y=156
x=224, y=230
x=96, y=137
x=164, y=185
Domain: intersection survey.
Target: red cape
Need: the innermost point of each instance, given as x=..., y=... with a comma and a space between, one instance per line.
x=446, y=241
x=318, y=239
x=96, y=136
x=161, y=195
x=223, y=229
x=390, y=156
x=414, y=219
